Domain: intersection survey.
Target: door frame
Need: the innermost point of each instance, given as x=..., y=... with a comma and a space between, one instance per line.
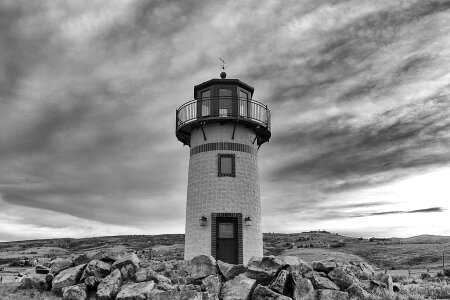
x=232, y=216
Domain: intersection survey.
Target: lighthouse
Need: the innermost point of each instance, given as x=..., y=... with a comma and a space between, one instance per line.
x=224, y=128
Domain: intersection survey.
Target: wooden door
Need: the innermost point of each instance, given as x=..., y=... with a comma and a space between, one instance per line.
x=227, y=240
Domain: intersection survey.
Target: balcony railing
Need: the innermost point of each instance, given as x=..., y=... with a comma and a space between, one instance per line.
x=209, y=109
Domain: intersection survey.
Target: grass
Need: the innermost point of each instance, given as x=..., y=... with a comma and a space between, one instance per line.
x=9, y=291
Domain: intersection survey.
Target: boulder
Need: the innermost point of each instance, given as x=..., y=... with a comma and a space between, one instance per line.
x=148, y=274
x=66, y=278
x=297, y=264
x=238, y=288
x=75, y=292
x=324, y=265
x=128, y=265
x=386, y=279
x=34, y=281
x=180, y=295
x=201, y=266
x=264, y=293
x=212, y=284
x=109, y=286
x=357, y=291
x=331, y=295
x=361, y=270
x=281, y=283
x=135, y=290
x=229, y=271
x=42, y=270
x=341, y=278
x=107, y=256
x=320, y=282
x=96, y=268
x=126, y=260
x=81, y=259
x=59, y=264
x=164, y=286
x=302, y=288
x=263, y=269
x=157, y=266
x=93, y=281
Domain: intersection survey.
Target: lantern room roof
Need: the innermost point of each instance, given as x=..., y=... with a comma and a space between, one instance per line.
x=211, y=82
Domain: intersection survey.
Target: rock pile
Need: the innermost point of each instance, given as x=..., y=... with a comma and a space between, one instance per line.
x=108, y=277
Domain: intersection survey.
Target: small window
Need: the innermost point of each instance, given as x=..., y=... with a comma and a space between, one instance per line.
x=226, y=231
x=227, y=165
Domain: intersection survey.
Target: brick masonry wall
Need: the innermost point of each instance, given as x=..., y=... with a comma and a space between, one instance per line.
x=208, y=193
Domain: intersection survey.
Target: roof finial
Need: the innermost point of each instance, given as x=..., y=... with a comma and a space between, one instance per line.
x=223, y=66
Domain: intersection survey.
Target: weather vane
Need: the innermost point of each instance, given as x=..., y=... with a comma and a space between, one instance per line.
x=223, y=66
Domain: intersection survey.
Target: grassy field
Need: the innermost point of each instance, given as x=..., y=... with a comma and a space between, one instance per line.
x=9, y=291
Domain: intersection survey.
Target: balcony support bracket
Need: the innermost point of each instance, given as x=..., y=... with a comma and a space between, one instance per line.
x=234, y=129
x=203, y=131
x=256, y=136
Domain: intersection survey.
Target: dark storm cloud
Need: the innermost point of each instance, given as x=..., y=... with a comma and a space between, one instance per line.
x=89, y=90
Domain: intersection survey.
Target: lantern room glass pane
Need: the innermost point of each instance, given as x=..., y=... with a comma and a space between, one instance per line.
x=224, y=102
x=226, y=230
x=206, y=103
x=243, y=103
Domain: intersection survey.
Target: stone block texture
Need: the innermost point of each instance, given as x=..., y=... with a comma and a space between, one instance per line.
x=208, y=193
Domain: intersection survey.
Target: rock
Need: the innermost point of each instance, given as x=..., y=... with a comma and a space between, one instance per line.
x=145, y=274
x=201, y=266
x=302, y=288
x=361, y=270
x=59, y=264
x=320, y=282
x=264, y=293
x=66, y=278
x=324, y=265
x=289, y=260
x=341, y=278
x=109, y=286
x=42, y=270
x=93, y=281
x=180, y=295
x=34, y=281
x=81, y=259
x=238, y=288
x=75, y=292
x=49, y=278
x=229, y=271
x=358, y=292
x=263, y=269
x=107, y=256
x=164, y=286
x=135, y=290
x=212, y=284
x=96, y=268
x=295, y=263
x=148, y=274
x=386, y=279
x=129, y=259
x=280, y=284
x=331, y=295
x=157, y=266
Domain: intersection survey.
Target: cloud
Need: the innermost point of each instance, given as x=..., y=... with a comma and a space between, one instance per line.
x=358, y=91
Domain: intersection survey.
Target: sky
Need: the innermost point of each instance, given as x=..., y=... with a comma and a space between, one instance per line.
x=359, y=93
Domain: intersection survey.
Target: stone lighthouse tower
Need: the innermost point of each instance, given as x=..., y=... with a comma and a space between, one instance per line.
x=224, y=128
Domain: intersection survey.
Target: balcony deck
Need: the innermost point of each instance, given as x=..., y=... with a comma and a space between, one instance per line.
x=233, y=110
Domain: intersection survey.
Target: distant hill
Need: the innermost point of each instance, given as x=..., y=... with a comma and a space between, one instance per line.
x=427, y=239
